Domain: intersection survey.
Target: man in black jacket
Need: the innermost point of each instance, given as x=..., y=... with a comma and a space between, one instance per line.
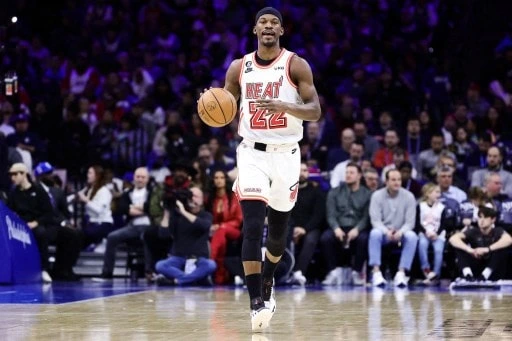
x=306, y=222
x=61, y=231
x=32, y=204
x=135, y=204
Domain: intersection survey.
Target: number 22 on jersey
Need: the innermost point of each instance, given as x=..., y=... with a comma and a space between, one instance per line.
x=260, y=119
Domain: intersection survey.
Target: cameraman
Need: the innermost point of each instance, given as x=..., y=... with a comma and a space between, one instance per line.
x=189, y=228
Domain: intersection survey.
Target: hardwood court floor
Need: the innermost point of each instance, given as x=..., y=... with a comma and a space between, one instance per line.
x=149, y=313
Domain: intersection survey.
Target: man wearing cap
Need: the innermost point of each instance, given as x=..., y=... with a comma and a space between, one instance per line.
x=61, y=231
x=24, y=139
x=482, y=251
x=32, y=204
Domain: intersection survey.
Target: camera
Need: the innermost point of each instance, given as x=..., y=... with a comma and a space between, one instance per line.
x=172, y=194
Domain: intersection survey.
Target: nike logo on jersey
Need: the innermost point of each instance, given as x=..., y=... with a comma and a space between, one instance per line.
x=294, y=150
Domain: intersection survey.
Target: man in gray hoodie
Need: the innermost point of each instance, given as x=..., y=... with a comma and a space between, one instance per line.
x=392, y=216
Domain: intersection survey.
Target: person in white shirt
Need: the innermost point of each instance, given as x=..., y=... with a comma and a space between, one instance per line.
x=430, y=229
x=338, y=173
x=97, y=199
x=135, y=204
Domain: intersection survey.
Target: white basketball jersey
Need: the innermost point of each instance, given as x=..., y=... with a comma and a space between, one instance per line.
x=268, y=82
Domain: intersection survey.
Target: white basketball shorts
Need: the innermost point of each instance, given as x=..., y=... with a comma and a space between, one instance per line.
x=271, y=176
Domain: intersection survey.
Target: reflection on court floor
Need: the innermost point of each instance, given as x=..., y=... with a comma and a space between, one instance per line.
x=123, y=311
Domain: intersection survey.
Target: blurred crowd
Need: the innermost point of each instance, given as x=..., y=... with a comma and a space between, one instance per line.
x=107, y=87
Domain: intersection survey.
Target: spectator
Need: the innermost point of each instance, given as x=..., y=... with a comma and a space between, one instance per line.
x=410, y=184
x=306, y=223
x=32, y=204
x=430, y=228
x=371, y=145
x=189, y=228
x=384, y=156
x=27, y=143
x=494, y=165
x=392, y=215
x=444, y=179
x=338, y=173
x=227, y=222
x=134, y=204
x=398, y=158
x=340, y=154
x=479, y=157
x=347, y=236
x=427, y=159
x=469, y=207
x=6, y=111
x=313, y=147
x=371, y=179
x=482, y=251
x=97, y=199
x=61, y=231
x=415, y=141
x=477, y=104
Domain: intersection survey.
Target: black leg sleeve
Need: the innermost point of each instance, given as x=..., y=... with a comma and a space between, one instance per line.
x=254, y=212
x=277, y=231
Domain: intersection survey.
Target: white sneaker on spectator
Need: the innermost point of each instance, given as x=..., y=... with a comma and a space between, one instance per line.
x=299, y=278
x=333, y=277
x=400, y=280
x=45, y=276
x=358, y=278
x=100, y=248
x=260, y=319
x=238, y=281
x=378, y=280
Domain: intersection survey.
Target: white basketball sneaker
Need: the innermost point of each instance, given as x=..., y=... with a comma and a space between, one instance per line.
x=260, y=315
x=268, y=296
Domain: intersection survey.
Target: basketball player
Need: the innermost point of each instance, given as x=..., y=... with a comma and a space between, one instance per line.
x=276, y=92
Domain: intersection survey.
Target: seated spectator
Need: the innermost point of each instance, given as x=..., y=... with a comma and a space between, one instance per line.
x=306, y=223
x=410, y=184
x=478, y=159
x=398, y=157
x=462, y=147
x=429, y=226
x=469, y=207
x=427, y=159
x=227, y=222
x=347, y=236
x=97, y=199
x=134, y=204
x=444, y=179
x=339, y=154
x=370, y=143
x=371, y=179
x=61, y=231
x=338, y=173
x=218, y=151
x=445, y=160
x=392, y=216
x=384, y=156
x=502, y=202
x=189, y=228
x=494, y=165
x=32, y=204
x=415, y=141
x=156, y=247
x=482, y=251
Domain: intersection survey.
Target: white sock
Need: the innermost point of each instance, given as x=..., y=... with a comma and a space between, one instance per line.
x=467, y=272
x=487, y=273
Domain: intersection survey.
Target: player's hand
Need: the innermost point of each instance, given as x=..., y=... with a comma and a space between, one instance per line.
x=339, y=233
x=201, y=93
x=272, y=106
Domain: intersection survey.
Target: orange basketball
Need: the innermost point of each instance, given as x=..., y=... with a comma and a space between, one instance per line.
x=217, y=107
